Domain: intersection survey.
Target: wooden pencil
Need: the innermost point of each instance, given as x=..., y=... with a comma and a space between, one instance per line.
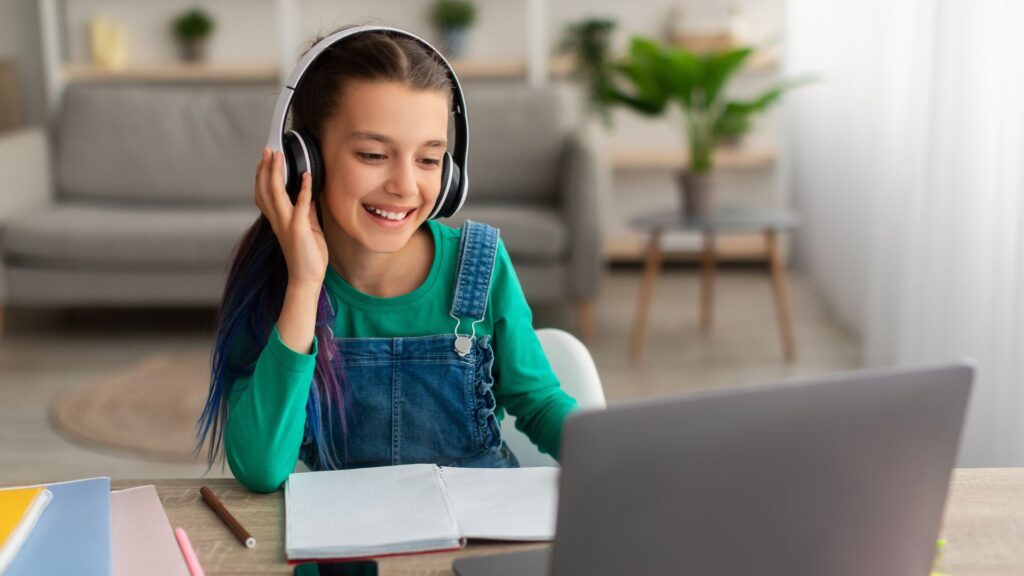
x=218, y=507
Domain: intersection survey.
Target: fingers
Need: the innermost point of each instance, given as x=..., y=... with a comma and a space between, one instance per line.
x=304, y=207
x=314, y=222
x=278, y=195
x=260, y=186
x=305, y=197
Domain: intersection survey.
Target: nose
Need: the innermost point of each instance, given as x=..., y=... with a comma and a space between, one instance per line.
x=402, y=180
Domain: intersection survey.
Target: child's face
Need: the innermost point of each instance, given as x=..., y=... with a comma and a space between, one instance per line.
x=382, y=157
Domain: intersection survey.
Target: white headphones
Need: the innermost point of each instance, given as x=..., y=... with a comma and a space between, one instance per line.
x=302, y=153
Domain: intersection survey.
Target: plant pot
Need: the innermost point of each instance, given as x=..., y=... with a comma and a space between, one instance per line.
x=454, y=40
x=192, y=49
x=697, y=189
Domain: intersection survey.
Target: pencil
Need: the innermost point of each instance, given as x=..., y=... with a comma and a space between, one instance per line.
x=191, y=560
x=213, y=502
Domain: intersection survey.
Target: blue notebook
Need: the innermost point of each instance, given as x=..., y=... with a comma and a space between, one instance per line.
x=72, y=535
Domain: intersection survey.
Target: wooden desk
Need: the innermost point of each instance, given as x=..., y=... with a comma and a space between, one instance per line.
x=984, y=528
x=263, y=515
x=984, y=523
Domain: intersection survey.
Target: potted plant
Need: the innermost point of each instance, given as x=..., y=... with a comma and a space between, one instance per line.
x=588, y=42
x=193, y=29
x=453, y=18
x=653, y=77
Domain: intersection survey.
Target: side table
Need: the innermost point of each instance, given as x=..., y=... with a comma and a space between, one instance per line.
x=768, y=222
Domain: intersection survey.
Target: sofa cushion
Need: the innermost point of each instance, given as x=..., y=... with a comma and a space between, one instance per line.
x=125, y=237
x=162, y=142
x=517, y=141
x=530, y=233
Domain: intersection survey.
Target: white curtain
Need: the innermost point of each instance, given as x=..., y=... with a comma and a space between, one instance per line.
x=906, y=165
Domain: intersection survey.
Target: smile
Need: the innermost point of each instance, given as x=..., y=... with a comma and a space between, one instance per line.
x=393, y=216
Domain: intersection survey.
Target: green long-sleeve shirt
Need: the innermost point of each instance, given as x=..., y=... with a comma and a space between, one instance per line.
x=267, y=410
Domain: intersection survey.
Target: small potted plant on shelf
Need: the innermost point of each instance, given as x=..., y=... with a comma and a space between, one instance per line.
x=588, y=44
x=453, y=18
x=653, y=77
x=192, y=30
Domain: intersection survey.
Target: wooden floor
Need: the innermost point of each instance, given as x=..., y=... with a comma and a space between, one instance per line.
x=44, y=353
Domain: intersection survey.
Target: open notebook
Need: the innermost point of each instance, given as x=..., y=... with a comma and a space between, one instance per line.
x=347, y=514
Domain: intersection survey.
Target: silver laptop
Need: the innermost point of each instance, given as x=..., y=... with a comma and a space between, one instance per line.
x=841, y=476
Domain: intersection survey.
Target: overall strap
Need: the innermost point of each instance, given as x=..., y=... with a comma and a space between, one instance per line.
x=477, y=250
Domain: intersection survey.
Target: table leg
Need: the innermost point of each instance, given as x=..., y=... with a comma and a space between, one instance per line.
x=779, y=283
x=707, y=282
x=585, y=319
x=643, y=304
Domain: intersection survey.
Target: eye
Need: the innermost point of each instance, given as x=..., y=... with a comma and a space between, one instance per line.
x=371, y=156
x=431, y=161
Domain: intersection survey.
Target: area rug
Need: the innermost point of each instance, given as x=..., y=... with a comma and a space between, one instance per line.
x=148, y=409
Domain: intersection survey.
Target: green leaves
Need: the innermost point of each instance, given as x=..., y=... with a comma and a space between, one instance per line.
x=718, y=68
x=652, y=75
x=453, y=13
x=194, y=23
x=657, y=74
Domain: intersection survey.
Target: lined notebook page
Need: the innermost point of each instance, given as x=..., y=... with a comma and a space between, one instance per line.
x=368, y=512
x=504, y=503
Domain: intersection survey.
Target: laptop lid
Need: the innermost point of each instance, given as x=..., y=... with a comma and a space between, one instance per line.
x=843, y=476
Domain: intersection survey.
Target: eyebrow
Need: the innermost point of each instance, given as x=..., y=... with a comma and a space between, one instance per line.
x=382, y=138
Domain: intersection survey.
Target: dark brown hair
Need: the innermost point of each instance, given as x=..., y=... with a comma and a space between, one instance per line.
x=257, y=280
x=373, y=56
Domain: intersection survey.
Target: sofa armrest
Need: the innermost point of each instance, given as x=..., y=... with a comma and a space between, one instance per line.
x=25, y=180
x=586, y=192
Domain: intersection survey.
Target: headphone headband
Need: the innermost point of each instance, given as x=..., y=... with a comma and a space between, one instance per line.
x=275, y=141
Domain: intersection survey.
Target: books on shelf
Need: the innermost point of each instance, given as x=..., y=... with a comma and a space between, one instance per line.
x=367, y=512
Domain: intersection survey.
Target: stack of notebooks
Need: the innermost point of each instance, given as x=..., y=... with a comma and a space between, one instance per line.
x=83, y=528
x=369, y=512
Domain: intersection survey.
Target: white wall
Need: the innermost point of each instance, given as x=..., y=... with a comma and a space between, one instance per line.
x=248, y=33
x=19, y=41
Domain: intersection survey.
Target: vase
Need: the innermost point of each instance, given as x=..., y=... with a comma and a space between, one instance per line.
x=192, y=50
x=454, y=39
x=697, y=189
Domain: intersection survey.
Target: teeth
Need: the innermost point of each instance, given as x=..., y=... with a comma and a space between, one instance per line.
x=385, y=214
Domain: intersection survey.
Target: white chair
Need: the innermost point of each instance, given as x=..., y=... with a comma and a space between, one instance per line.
x=576, y=371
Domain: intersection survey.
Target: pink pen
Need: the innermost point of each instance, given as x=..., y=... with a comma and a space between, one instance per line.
x=190, y=555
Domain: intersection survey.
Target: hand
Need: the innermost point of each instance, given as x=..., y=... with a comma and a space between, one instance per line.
x=296, y=226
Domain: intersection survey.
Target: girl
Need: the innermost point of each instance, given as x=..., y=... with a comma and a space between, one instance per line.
x=339, y=321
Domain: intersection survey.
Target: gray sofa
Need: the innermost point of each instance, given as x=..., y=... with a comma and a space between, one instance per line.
x=143, y=190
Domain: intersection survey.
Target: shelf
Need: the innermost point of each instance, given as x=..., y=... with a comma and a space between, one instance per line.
x=563, y=65
x=173, y=73
x=466, y=69
x=509, y=68
x=746, y=157
x=483, y=69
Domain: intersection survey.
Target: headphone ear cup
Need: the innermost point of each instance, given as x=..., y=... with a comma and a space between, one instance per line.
x=302, y=154
x=450, y=197
x=316, y=169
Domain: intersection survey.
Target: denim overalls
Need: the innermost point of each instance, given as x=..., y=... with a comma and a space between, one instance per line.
x=428, y=398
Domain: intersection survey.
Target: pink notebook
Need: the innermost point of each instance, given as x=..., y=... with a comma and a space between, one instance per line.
x=143, y=540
